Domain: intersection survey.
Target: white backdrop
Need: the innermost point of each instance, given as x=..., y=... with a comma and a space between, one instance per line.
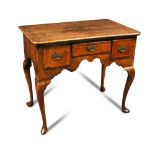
x=82, y=120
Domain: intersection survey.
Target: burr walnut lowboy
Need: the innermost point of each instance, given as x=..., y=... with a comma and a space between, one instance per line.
x=54, y=47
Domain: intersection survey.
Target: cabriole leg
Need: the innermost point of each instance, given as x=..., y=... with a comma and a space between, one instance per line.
x=26, y=67
x=130, y=78
x=40, y=87
x=102, y=88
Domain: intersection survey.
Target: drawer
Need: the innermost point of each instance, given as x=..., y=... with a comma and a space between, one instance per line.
x=91, y=48
x=123, y=48
x=56, y=56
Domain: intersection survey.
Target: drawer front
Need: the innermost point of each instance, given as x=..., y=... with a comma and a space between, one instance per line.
x=123, y=48
x=56, y=56
x=91, y=48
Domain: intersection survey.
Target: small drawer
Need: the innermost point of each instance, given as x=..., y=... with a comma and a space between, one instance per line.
x=56, y=56
x=91, y=48
x=123, y=48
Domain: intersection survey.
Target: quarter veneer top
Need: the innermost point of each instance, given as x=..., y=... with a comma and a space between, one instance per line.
x=74, y=31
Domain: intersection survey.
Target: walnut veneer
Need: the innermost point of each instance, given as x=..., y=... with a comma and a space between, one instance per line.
x=54, y=47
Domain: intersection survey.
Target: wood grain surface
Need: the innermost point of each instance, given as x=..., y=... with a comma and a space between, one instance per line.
x=74, y=31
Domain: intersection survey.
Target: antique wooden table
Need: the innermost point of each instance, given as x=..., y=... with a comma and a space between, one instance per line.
x=58, y=46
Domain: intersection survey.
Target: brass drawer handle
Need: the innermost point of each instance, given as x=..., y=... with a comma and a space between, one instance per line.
x=56, y=56
x=122, y=49
x=91, y=48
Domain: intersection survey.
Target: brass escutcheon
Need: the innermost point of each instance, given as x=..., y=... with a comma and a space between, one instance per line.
x=91, y=48
x=56, y=56
x=122, y=49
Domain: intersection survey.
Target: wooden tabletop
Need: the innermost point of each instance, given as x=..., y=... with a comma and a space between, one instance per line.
x=74, y=31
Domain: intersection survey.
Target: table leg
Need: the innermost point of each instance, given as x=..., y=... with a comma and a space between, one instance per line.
x=40, y=87
x=130, y=78
x=26, y=67
x=102, y=89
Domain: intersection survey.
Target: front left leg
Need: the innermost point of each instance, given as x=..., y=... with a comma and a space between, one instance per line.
x=40, y=87
x=130, y=78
